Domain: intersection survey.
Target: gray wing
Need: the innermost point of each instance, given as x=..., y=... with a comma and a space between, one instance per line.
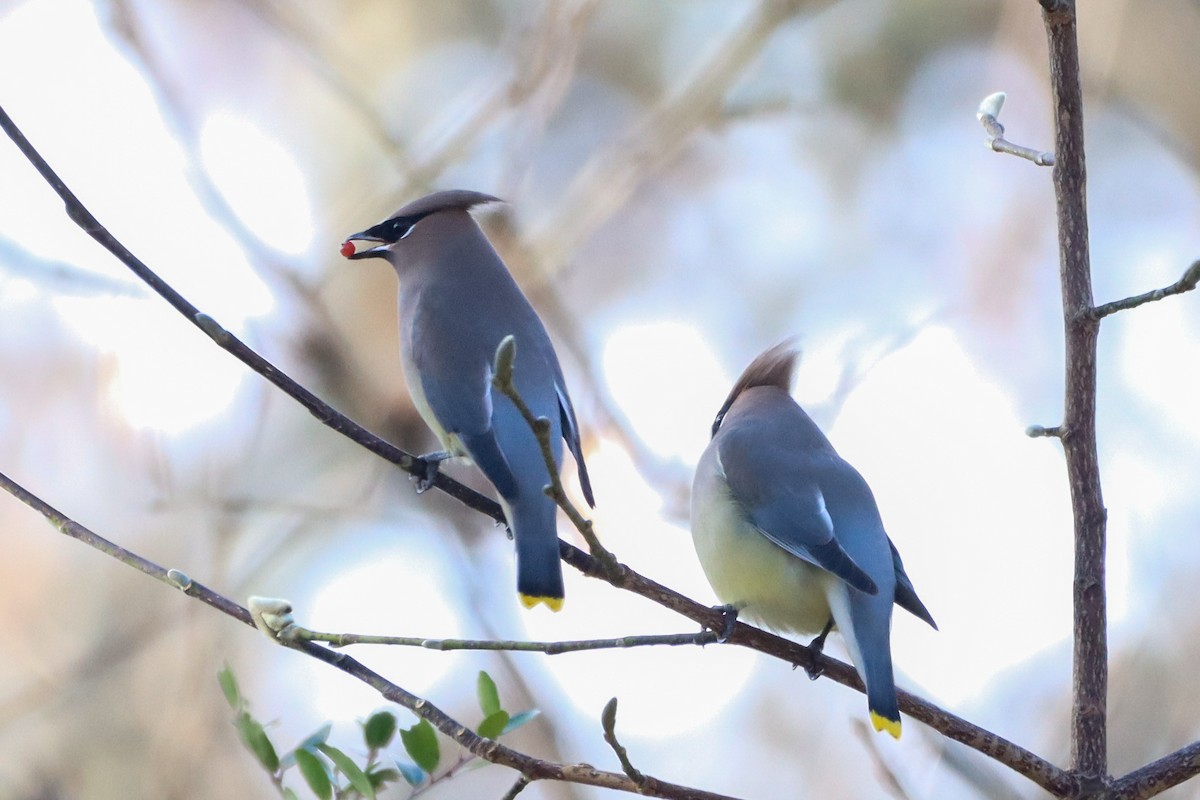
x=779, y=489
x=457, y=384
x=570, y=432
x=906, y=595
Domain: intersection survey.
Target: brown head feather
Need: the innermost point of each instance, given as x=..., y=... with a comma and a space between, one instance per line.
x=773, y=367
x=441, y=201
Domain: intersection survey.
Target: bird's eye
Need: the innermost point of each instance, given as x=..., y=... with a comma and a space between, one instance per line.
x=406, y=232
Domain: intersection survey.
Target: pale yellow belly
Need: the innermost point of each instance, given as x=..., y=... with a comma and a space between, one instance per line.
x=766, y=583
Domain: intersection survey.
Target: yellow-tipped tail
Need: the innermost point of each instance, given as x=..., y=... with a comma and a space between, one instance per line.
x=555, y=604
x=882, y=723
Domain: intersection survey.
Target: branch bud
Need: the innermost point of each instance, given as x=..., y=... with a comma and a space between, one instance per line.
x=502, y=365
x=991, y=105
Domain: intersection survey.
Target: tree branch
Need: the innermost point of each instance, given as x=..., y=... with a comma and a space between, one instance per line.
x=1089, y=747
x=1191, y=277
x=1158, y=776
x=608, y=721
x=988, y=116
x=700, y=638
x=517, y=787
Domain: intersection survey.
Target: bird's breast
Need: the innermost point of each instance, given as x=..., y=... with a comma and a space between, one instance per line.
x=766, y=583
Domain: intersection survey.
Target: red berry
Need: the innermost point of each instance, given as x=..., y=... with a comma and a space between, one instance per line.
x=347, y=249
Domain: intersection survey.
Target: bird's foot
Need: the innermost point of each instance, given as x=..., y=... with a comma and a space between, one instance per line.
x=817, y=647
x=431, y=461
x=729, y=618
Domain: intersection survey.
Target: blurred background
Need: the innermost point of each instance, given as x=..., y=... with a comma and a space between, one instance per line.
x=688, y=183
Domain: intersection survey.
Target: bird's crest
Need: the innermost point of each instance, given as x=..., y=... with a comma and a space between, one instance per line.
x=441, y=201
x=773, y=367
x=400, y=224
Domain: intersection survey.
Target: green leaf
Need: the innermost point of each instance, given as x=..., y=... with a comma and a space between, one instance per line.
x=493, y=725
x=379, y=729
x=412, y=773
x=315, y=774
x=421, y=743
x=382, y=777
x=255, y=738
x=358, y=779
x=489, y=696
x=517, y=720
x=288, y=794
x=229, y=687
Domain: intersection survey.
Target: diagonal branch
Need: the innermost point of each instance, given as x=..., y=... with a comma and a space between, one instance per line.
x=1191, y=277
x=1158, y=776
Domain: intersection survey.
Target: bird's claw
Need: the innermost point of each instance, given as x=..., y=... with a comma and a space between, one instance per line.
x=431, y=461
x=817, y=648
x=729, y=618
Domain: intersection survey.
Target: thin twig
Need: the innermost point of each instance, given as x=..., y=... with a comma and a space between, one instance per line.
x=988, y=113
x=608, y=721
x=502, y=379
x=700, y=638
x=1191, y=277
x=67, y=279
x=1038, y=431
x=517, y=787
x=1158, y=776
x=487, y=749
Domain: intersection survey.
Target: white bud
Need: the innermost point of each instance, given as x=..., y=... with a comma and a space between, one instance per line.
x=991, y=106
x=271, y=615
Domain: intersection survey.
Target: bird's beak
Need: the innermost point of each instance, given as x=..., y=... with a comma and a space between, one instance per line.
x=352, y=253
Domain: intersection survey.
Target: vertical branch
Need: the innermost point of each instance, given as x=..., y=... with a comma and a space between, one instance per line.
x=1089, y=755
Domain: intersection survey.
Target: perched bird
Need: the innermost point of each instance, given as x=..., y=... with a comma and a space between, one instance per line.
x=457, y=302
x=789, y=534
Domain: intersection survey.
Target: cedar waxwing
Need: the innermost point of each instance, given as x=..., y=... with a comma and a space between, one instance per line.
x=457, y=302
x=789, y=535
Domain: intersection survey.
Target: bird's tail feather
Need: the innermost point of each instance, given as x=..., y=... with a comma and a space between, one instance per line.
x=539, y=570
x=877, y=674
x=865, y=623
